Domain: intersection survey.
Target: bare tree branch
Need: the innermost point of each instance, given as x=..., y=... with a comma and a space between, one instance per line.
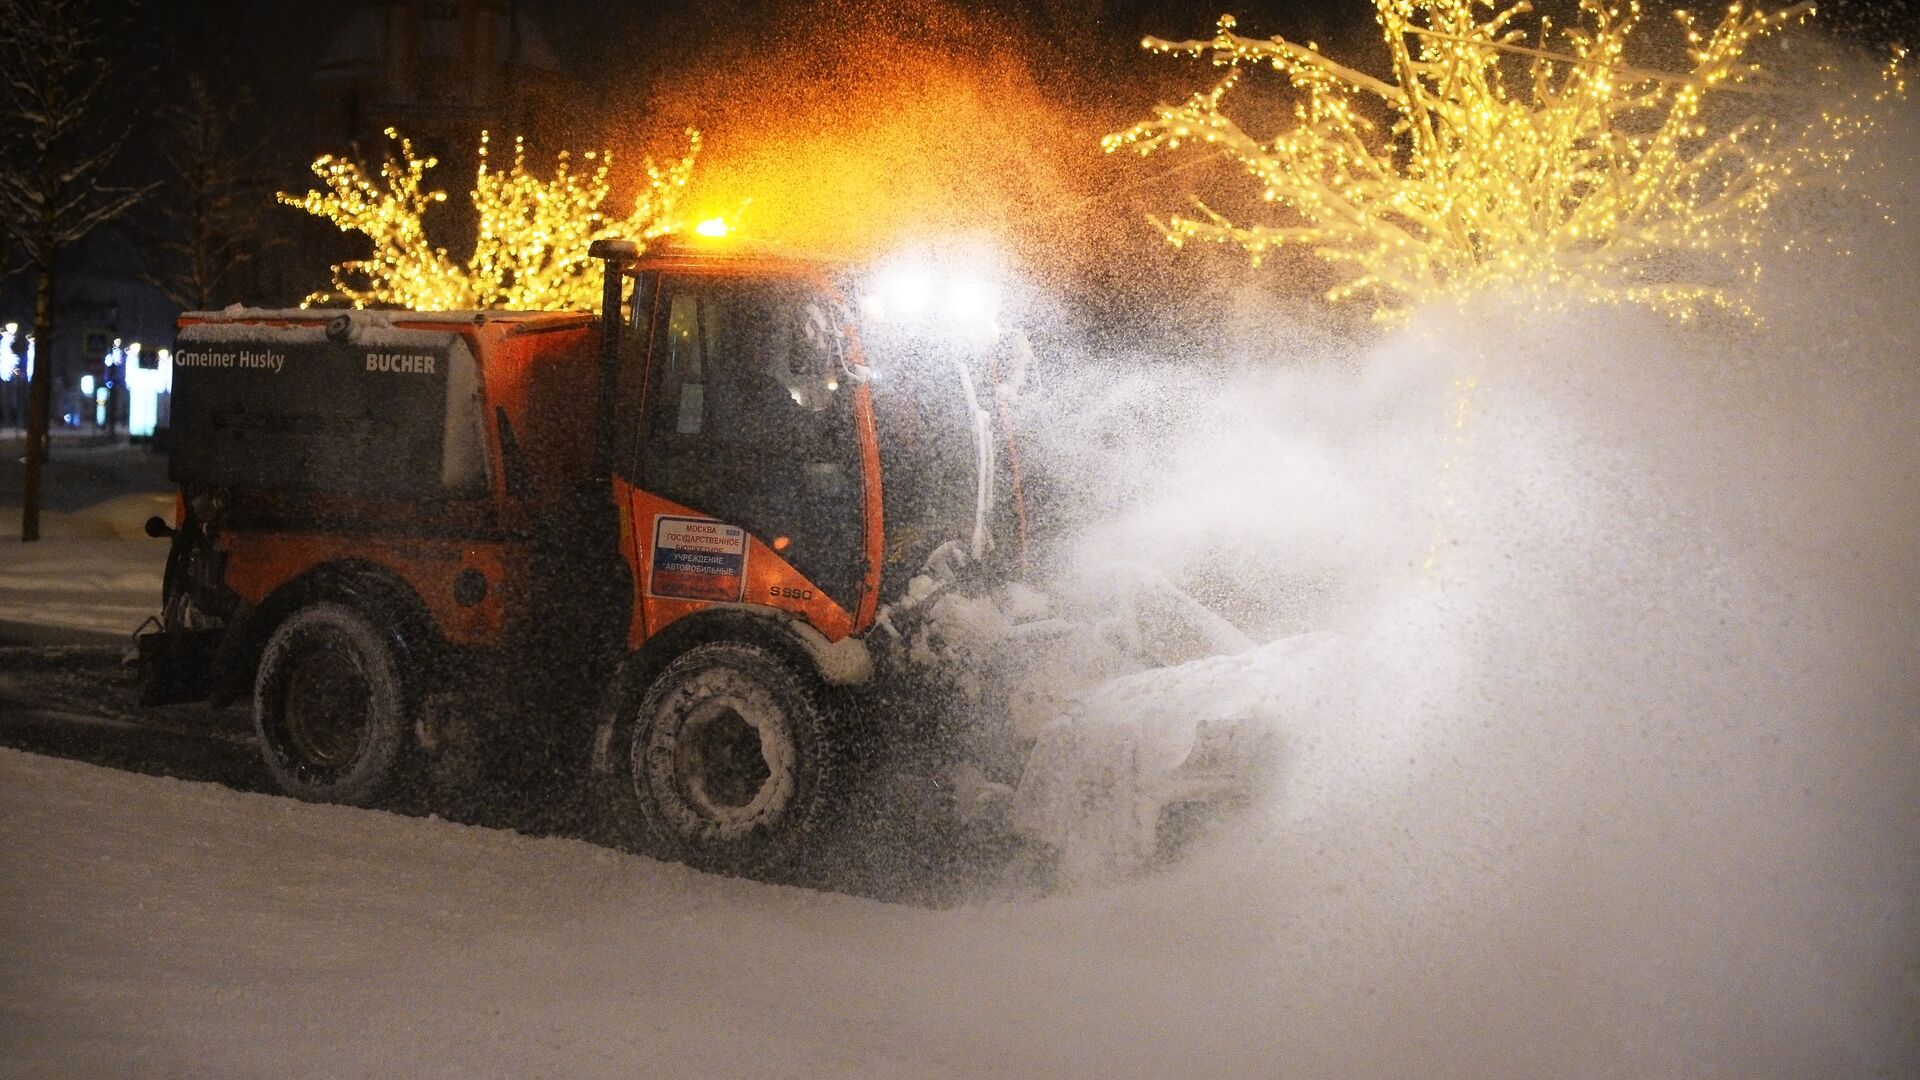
x=52, y=169
x=210, y=214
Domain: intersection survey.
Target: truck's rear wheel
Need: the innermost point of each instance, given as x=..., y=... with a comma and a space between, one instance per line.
x=330, y=708
x=729, y=762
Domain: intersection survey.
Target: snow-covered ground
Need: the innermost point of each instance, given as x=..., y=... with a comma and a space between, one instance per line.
x=98, y=588
x=94, y=574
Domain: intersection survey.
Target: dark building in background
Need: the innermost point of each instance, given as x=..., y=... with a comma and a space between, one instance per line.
x=439, y=71
x=99, y=297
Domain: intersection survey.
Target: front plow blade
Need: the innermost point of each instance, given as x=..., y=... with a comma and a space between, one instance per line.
x=1128, y=767
x=1108, y=799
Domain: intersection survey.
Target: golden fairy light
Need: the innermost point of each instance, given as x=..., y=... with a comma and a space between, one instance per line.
x=530, y=248
x=1485, y=161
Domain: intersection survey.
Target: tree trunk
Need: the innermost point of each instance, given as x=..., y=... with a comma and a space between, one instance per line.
x=39, y=400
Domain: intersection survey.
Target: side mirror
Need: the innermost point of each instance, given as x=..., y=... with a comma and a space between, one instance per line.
x=158, y=528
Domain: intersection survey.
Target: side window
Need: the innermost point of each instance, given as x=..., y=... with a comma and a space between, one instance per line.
x=683, y=371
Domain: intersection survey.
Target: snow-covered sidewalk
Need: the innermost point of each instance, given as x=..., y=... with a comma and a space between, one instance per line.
x=94, y=574
x=68, y=589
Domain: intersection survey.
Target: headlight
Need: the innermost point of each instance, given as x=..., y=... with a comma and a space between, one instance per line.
x=916, y=296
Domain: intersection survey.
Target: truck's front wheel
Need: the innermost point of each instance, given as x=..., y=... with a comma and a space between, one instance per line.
x=330, y=708
x=729, y=762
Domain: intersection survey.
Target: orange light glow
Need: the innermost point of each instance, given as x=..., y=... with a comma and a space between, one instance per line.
x=854, y=140
x=713, y=227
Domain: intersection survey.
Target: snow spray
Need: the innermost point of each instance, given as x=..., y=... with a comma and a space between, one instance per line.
x=1622, y=782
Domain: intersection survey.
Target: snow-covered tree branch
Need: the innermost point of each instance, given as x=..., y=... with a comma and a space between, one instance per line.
x=209, y=220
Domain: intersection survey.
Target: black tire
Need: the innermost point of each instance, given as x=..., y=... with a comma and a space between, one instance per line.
x=728, y=761
x=331, y=708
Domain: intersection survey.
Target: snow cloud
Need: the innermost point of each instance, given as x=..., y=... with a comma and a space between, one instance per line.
x=1607, y=763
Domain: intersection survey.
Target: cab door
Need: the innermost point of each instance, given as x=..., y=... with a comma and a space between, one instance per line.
x=748, y=468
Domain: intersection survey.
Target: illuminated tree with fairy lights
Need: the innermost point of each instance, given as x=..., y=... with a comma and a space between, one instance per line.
x=530, y=251
x=1491, y=157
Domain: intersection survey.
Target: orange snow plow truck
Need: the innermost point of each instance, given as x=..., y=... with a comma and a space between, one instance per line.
x=657, y=539
x=691, y=549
